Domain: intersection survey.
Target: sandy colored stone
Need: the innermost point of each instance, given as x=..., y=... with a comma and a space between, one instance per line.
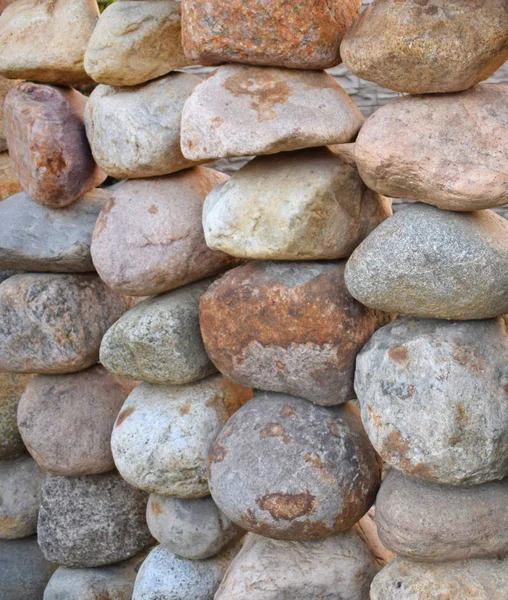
x=429, y=263
x=45, y=40
x=367, y=530
x=136, y=41
x=297, y=35
x=163, y=434
x=288, y=469
x=5, y=86
x=12, y=387
x=9, y=183
x=300, y=328
x=304, y=205
x=150, y=238
x=135, y=131
x=242, y=111
x=54, y=323
x=20, y=495
x=444, y=150
x=91, y=521
x=428, y=46
x=48, y=148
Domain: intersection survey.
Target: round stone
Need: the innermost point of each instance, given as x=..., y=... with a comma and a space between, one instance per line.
x=12, y=387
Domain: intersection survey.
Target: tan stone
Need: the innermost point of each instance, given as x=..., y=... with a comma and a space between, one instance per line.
x=367, y=530
x=12, y=386
x=5, y=86
x=9, y=183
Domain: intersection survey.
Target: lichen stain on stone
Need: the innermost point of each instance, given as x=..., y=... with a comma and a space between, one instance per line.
x=288, y=507
x=289, y=411
x=123, y=415
x=274, y=430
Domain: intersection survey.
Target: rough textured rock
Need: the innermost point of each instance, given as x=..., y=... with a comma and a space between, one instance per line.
x=20, y=495
x=367, y=530
x=9, y=183
x=304, y=205
x=240, y=110
x=91, y=521
x=135, y=132
x=150, y=239
x=430, y=522
x=419, y=384
x=66, y=420
x=191, y=528
x=335, y=568
x=279, y=33
x=39, y=238
x=11, y=388
x=159, y=340
x=429, y=263
x=318, y=474
x=407, y=580
x=163, y=434
x=24, y=571
x=417, y=46
x=47, y=143
x=27, y=26
x=5, y=86
x=300, y=333
x=135, y=41
x=54, y=323
x=442, y=150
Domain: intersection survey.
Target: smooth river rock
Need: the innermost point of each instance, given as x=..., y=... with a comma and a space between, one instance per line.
x=12, y=387
x=434, y=395
x=164, y=433
x=9, y=183
x=54, y=323
x=159, y=340
x=91, y=521
x=48, y=148
x=285, y=468
x=429, y=263
x=303, y=205
x=300, y=328
x=5, y=86
x=149, y=239
x=445, y=150
x=241, y=110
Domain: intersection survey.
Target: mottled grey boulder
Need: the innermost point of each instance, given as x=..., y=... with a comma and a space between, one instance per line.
x=431, y=263
x=288, y=469
x=190, y=528
x=159, y=340
x=433, y=398
x=426, y=521
x=56, y=240
x=12, y=386
x=91, y=521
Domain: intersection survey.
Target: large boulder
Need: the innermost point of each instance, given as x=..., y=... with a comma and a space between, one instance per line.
x=12, y=387
x=9, y=182
x=288, y=469
x=429, y=263
x=241, y=110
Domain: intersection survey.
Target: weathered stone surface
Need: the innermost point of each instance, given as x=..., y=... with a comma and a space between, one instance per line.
x=159, y=340
x=443, y=150
x=300, y=329
x=40, y=238
x=11, y=388
x=5, y=86
x=429, y=263
x=150, y=238
x=20, y=494
x=279, y=33
x=47, y=143
x=318, y=474
x=91, y=521
x=408, y=580
x=419, y=383
x=136, y=41
x=45, y=40
x=163, y=434
x=417, y=47
x=66, y=420
x=9, y=183
x=240, y=110
x=431, y=522
x=339, y=566
x=135, y=131
x=54, y=323
x=191, y=528
x=367, y=530
x=304, y=205
x=27, y=583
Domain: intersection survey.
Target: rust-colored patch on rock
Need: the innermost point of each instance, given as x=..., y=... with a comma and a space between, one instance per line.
x=185, y=409
x=123, y=415
x=289, y=411
x=399, y=354
x=156, y=508
x=288, y=506
x=217, y=454
x=274, y=430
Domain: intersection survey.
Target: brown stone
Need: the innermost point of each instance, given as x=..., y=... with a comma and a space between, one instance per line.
x=367, y=530
x=12, y=386
x=5, y=86
x=297, y=35
x=9, y=183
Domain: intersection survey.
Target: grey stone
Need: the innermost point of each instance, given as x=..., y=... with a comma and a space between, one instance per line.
x=12, y=386
x=433, y=398
x=430, y=263
x=190, y=528
x=91, y=521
